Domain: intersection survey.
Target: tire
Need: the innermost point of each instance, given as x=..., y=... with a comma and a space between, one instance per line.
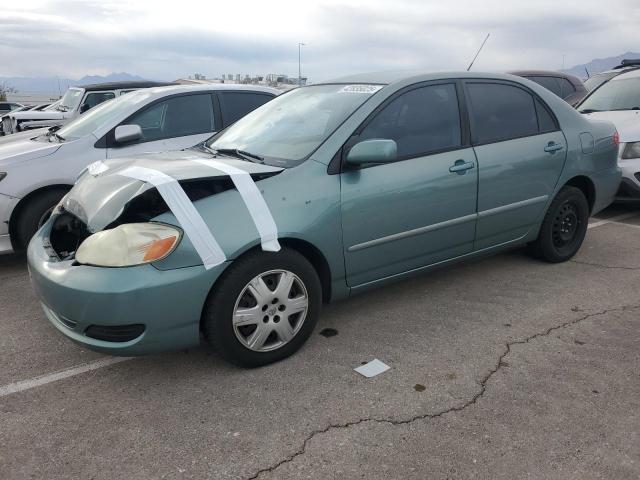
x=35, y=213
x=262, y=336
x=563, y=228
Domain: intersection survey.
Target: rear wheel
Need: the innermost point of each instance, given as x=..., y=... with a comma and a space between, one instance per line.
x=264, y=308
x=563, y=228
x=35, y=213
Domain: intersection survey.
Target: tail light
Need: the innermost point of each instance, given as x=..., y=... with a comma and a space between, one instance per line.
x=616, y=138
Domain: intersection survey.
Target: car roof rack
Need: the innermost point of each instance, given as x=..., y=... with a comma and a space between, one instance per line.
x=628, y=62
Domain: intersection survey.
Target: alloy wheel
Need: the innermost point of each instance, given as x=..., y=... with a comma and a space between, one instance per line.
x=270, y=310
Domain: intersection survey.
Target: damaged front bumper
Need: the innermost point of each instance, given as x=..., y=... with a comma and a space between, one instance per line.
x=120, y=311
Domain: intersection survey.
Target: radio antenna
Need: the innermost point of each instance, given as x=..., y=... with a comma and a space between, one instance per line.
x=478, y=53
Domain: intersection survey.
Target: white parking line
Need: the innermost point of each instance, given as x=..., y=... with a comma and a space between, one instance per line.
x=615, y=219
x=632, y=225
x=54, y=377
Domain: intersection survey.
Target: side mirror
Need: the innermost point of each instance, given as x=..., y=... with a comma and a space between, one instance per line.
x=128, y=133
x=84, y=107
x=373, y=151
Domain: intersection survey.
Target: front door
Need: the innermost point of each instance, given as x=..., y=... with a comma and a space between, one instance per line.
x=421, y=209
x=521, y=153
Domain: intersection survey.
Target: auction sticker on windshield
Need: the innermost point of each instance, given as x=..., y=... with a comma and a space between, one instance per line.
x=360, y=89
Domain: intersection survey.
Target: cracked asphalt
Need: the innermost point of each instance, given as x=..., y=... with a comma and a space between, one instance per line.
x=504, y=367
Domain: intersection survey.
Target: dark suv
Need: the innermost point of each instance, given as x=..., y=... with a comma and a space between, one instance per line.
x=569, y=88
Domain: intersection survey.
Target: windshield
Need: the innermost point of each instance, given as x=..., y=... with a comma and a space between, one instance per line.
x=107, y=113
x=53, y=106
x=618, y=94
x=595, y=81
x=286, y=130
x=70, y=100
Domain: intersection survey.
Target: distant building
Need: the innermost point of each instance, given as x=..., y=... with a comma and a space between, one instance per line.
x=275, y=80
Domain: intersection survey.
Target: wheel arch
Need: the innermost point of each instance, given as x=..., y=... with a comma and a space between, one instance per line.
x=307, y=250
x=17, y=211
x=586, y=186
x=317, y=260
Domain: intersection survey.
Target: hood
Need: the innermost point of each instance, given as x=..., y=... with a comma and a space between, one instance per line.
x=25, y=149
x=27, y=134
x=627, y=123
x=44, y=115
x=100, y=199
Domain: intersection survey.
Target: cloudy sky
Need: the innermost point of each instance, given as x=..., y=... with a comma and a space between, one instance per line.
x=166, y=40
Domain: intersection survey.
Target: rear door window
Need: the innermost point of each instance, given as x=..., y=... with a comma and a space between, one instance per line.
x=550, y=83
x=546, y=122
x=500, y=112
x=421, y=121
x=235, y=105
x=566, y=87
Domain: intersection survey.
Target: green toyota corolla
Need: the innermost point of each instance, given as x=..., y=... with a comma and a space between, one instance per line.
x=325, y=191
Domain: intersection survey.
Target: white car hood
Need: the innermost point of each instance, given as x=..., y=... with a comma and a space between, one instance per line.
x=25, y=149
x=627, y=123
x=26, y=135
x=45, y=115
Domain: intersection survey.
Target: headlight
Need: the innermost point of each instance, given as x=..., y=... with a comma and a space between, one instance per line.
x=2, y=175
x=129, y=244
x=631, y=150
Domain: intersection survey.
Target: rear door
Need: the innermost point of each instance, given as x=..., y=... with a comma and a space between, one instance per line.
x=521, y=153
x=420, y=209
x=173, y=123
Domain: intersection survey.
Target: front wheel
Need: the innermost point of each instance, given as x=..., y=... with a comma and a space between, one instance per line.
x=35, y=213
x=263, y=308
x=563, y=228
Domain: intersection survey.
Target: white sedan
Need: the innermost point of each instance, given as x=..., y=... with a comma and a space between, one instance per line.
x=37, y=171
x=618, y=101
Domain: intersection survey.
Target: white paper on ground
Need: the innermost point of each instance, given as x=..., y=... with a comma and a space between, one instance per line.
x=373, y=368
x=96, y=168
x=254, y=201
x=184, y=211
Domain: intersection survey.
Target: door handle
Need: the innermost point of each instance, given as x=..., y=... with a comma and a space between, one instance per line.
x=553, y=147
x=461, y=167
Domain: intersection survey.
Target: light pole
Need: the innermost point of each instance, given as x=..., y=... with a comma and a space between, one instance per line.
x=300, y=45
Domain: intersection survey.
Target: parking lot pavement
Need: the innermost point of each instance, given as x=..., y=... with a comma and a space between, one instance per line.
x=528, y=369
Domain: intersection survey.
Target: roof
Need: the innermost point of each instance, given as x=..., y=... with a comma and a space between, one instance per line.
x=175, y=88
x=387, y=78
x=123, y=85
x=618, y=70
x=546, y=73
x=633, y=73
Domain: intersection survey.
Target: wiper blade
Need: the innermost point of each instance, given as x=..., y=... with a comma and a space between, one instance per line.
x=251, y=155
x=241, y=154
x=589, y=110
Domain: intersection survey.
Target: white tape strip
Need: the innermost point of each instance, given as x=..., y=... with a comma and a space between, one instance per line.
x=258, y=208
x=96, y=168
x=184, y=211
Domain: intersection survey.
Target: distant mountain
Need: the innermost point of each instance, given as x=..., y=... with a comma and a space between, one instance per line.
x=53, y=84
x=599, y=65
